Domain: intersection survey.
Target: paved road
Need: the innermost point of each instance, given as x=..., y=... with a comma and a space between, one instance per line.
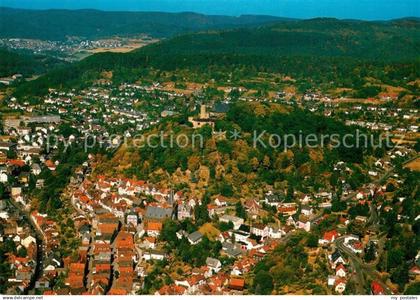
x=39, y=244
x=363, y=271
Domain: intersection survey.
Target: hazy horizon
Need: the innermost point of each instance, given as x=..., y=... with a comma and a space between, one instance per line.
x=342, y=9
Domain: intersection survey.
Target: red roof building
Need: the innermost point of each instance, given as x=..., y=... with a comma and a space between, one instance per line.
x=376, y=288
x=77, y=268
x=116, y=291
x=124, y=240
x=237, y=284
x=172, y=289
x=330, y=235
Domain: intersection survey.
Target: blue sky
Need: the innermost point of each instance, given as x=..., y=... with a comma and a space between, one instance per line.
x=357, y=9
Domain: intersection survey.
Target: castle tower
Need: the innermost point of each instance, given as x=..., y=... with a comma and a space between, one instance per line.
x=203, y=112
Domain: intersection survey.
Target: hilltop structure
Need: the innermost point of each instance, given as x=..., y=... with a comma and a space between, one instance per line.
x=203, y=119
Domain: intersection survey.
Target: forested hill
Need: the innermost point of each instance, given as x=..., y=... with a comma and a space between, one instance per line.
x=26, y=64
x=59, y=24
x=342, y=53
x=394, y=41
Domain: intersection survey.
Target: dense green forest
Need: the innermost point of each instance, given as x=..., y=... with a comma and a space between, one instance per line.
x=25, y=64
x=319, y=51
x=316, y=37
x=91, y=24
x=245, y=158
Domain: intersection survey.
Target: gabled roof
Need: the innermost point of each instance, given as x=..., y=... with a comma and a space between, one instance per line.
x=195, y=236
x=212, y=262
x=124, y=240
x=233, y=251
x=155, y=226
x=377, y=289
x=107, y=228
x=77, y=267
x=252, y=204
x=340, y=281
x=237, y=283
x=336, y=255
x=340, y=267
x=172, y=289
x=155, y=212
x=330, y=235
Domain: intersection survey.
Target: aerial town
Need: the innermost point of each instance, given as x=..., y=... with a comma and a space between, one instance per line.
x=123, y=225
x=159, y=153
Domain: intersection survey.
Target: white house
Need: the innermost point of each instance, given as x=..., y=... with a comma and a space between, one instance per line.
x=36, y=169
x=260, y=230
x=132, y=219
x=195, y=237
x=305, y=226
x=213, y=264
x=274, y=232
x=340, y=271
x=350, y=237
x=153, y=255
x=3, y=177
x=340, y=285
x=307, y=210
x=237, y=222
x=331, y=280
x=27, y=241
x=336, y=259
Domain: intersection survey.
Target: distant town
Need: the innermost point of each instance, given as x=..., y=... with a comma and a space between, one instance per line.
x=75, y=48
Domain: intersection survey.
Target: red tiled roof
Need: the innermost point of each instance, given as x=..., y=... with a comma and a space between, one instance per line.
x=77, y=267
x=124, y=240
x=377, y=289
x=155, y=226
x=101, y=247
x=340, y=266
x=330, y=235
x=237, y=283
x=103, y=267
x=116, y=291
x=252, y=204
x=128, y=270
x=84, y=198
x=172, y=289
x=150, y=239
x=50, y=164
x=75, y=281
x=193, y=280
x=357, y=245
x=415, y=270
x=101, y=278
x=16, y=162
x=340, y=280
x=286, y=209
x=107, y=228
x=49, y=293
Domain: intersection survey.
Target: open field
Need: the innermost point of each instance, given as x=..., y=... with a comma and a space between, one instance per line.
x=358, y=100
x=129, y=46
x=414, y=165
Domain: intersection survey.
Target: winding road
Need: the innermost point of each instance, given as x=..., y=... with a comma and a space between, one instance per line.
x=364, y=271
x=39, y=243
